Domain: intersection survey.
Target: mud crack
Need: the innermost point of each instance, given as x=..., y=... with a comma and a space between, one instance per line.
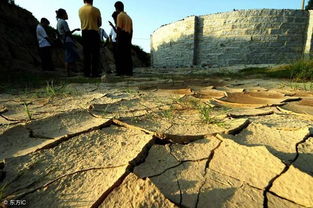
x=139, y=159
x=287, y=166
x=33, y=135
x=207, y=166
x=211, y=156
x=239, y=129
x=70, y=136
x=199, y=193
x=11, y=120
x=180, y=191
x=3, y=110
x=166, y=138
x=250, y=115
x=63, y=176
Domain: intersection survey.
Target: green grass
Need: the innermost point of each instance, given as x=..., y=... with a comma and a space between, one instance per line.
x=2, y=194
x=301, y=70
x=207, y=117
x=168, y=114
x=17, y=82
x=275, y=72
x=130, y=91
x=27, y=111
x=306, y=86
x=206, y=111
x=23, y=82
x=52, y=90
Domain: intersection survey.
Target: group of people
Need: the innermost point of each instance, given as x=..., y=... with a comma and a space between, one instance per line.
x=92, y=36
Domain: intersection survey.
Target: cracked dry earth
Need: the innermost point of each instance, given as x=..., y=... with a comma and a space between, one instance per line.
x=160, y=140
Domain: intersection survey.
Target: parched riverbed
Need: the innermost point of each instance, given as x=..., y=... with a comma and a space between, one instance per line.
x=163, y=138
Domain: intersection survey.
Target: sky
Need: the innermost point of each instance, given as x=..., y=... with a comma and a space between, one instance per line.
x=147, y=15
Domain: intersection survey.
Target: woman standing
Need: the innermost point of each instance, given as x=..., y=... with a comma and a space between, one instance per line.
x=45, y=44
x=66, y=37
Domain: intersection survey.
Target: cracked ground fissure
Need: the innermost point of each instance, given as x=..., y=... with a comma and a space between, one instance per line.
x=239, y=129
x=130, y=168
x=20, y=196
x=70, y=136
x=287, y=166
x=250, y=115
x=160, y=139
x=180, y=192
x=133, y=163
x=163, y=140
x=32, y=135
x=12, y=120
x=207, y=166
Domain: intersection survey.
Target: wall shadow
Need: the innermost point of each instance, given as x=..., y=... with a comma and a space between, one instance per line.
x=264, y=36
x=225, y=52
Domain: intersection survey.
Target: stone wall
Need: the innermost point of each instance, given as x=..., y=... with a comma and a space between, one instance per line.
x=241, y=37
x=173, y=45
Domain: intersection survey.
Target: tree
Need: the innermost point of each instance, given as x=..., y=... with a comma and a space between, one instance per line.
x=11, y=2
x=310, y=5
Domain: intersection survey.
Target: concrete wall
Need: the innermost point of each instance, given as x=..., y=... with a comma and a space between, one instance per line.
x=241, y=37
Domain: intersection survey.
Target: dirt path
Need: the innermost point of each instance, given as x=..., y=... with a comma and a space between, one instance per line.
x=159, y=139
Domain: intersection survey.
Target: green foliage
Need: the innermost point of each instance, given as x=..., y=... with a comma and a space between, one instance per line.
x=19, y=80
x=276, y=72
x=309, y=6
x=168, y=114
x=206, y=111
x=50, y=89
x=27, y=111
x=206, y=115
x=306, y=86
x=301, y=70
x=130, y=91
x=2, y=190
x=142, y=55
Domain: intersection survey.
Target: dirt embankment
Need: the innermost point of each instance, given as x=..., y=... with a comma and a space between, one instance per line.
x=19, y=50
x=17, y=37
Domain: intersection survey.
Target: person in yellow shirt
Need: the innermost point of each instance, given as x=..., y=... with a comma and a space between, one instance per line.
x=90, y=19
x=124, y=27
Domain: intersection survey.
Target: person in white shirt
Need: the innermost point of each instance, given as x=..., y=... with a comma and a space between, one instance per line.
x=70, y=53
x=103, y=35
x=112, y=36
x=44, y=45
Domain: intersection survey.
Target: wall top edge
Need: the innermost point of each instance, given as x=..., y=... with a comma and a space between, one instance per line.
x=234, y=12
x=175, y=22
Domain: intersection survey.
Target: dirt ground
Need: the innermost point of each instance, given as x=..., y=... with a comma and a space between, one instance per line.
x=163, y=138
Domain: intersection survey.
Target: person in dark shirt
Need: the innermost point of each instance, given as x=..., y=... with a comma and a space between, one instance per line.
x=90, y=18
x=124, y=26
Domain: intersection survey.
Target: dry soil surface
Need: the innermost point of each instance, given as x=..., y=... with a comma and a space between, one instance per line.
x=163, y=138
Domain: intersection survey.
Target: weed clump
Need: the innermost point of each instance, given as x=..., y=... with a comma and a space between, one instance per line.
x=301, y=70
